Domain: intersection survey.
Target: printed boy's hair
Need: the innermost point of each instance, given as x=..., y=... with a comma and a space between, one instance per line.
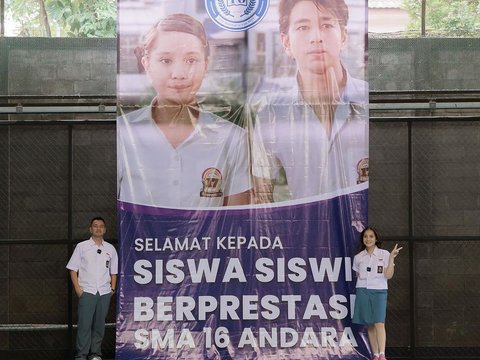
x=97, y=218
x=337, y=7
x=377, y=237
x=176, y=23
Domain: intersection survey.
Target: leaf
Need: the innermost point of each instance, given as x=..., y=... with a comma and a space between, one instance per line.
x=79, y=18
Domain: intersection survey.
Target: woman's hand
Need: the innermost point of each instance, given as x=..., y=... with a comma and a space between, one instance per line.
x=395, y=251
x=391, y=265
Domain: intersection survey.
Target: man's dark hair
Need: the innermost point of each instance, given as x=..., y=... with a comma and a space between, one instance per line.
x=97, y=218
x=336, y=7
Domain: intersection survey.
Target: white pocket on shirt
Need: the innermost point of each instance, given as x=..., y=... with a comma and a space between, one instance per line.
x=362, y=275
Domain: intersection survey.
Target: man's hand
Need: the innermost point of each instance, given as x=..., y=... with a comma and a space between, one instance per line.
x=76, y=285
x=263, y=190
x=358, y=225
x=79, y=292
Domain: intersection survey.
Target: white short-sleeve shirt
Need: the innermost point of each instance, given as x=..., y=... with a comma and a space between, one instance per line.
x=94, y=265
x=289, y=134
x=210, y=164
x=371, y=269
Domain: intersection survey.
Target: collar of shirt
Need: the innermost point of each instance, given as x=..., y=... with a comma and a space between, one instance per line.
x=350, y=94
x=204, y=123
x=93, y=243
x=351, y=99
x=376, y=252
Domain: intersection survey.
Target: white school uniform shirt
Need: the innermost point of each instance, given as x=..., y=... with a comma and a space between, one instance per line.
x=94, y=269
x=288, y=134
x=377, y=262
x=209, y=165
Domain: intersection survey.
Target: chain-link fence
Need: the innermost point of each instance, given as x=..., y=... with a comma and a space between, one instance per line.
x=57, y=171
x=423, y=195
x=55, y=177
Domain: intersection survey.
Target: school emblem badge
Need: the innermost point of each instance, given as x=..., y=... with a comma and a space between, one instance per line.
x=236, y=15
x=362, y=171
x=212, y=183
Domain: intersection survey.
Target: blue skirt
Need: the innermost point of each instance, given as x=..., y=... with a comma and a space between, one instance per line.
x=370, y=306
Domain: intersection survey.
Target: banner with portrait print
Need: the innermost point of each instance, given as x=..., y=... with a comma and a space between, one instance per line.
x=242, y=147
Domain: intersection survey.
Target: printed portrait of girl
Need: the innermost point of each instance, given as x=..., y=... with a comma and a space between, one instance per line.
x=173, y=153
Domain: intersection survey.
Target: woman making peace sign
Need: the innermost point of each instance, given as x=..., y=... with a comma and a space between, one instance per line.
x=374, y=267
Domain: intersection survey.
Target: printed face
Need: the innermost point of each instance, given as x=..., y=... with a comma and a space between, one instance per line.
x=315, y=39
x=98, y=228
x=369, y=239
x=176, y=66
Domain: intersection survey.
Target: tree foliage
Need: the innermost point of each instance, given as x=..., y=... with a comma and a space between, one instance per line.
x=26, y=16
x=451, y=18
x=75, y=18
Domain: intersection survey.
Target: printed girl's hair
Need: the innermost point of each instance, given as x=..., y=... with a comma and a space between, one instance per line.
x=178, y=23
x=377, y=237
x=337, y=7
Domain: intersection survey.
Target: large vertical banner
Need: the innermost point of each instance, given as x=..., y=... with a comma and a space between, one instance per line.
x=242, y=178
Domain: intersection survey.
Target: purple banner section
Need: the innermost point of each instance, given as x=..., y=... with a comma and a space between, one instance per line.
x=258, y=283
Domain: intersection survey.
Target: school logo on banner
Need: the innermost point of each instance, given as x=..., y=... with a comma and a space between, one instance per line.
x=212, y=183
x=362, y=171
x=236, y=15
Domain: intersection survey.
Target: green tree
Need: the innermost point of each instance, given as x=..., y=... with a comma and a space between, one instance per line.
x=75, y=18
x=81, y=18
x=26, y=16
x=451, y=18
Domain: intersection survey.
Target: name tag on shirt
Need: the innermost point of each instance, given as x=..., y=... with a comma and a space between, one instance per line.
x=379, y=269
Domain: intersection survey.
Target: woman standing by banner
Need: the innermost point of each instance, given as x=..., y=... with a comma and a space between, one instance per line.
x=374, y=267
x=172, y=153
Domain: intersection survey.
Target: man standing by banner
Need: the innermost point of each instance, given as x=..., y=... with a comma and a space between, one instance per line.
x=93, y=270
x=318, y=131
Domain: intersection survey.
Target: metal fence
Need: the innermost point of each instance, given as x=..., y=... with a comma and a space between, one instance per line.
x=424, y=194
x=56, y=175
